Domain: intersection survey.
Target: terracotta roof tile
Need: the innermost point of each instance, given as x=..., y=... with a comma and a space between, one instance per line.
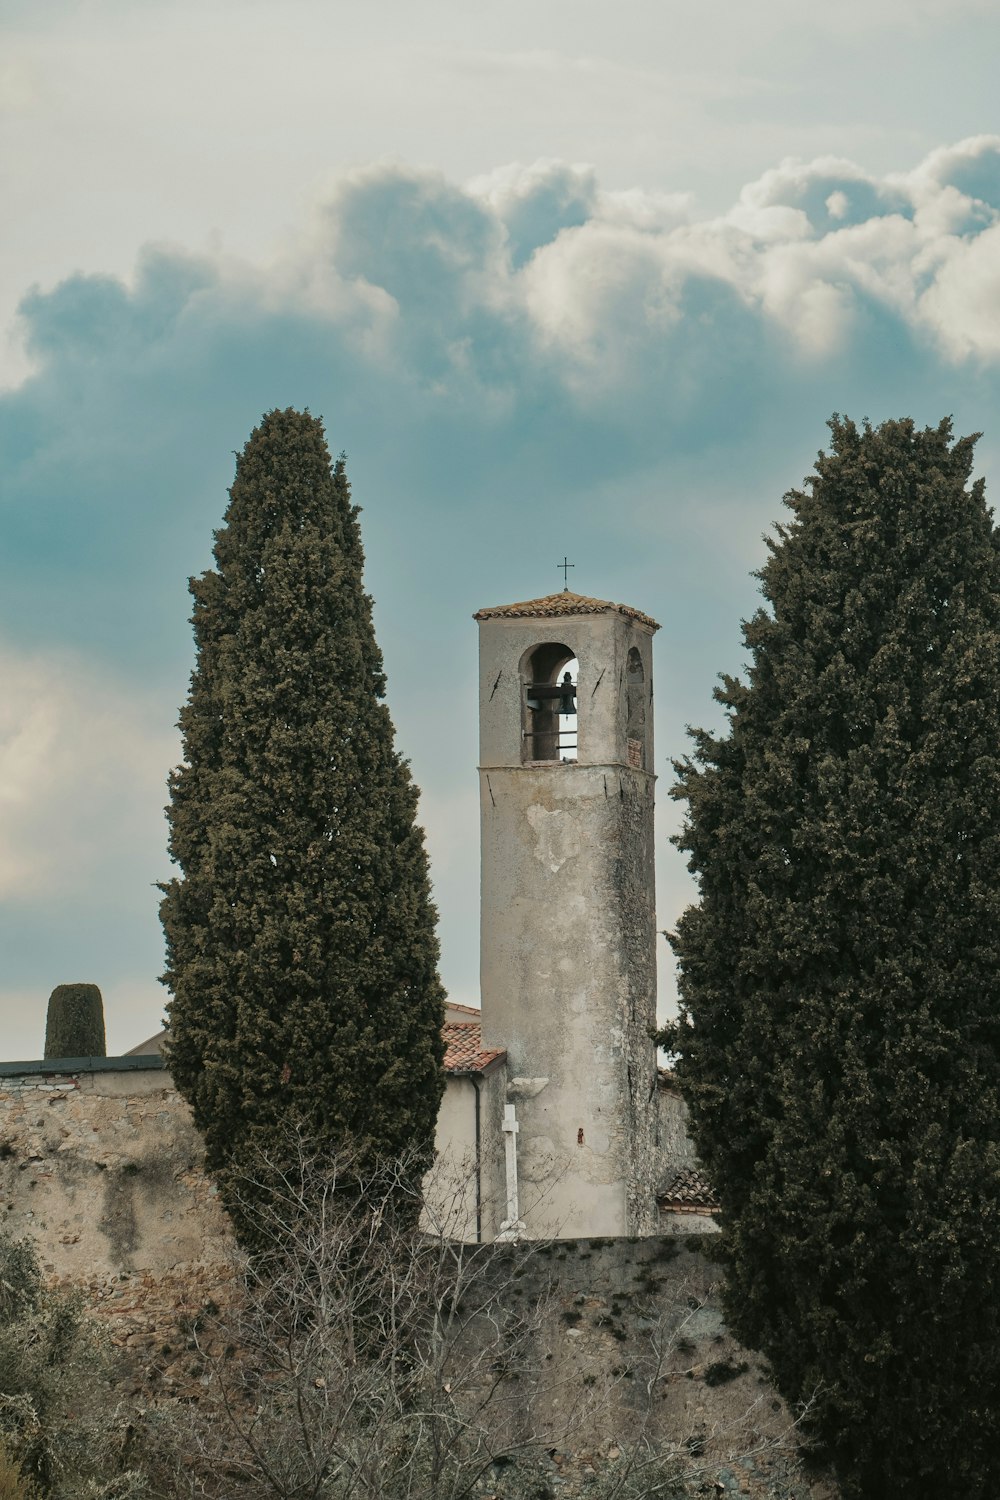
x=467, y=1010
x=689, y=1189
x=563, y=603
x=464, y=1050
x=463, y=1041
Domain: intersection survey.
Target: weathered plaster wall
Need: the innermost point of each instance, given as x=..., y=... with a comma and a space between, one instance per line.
x=454, y=1188
x=453, y=1193
x=103, y=1170
x=494, y=1170
x=451, y=1187
x=568, y=931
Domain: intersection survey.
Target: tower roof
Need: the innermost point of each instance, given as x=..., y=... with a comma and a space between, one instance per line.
x=563, y=603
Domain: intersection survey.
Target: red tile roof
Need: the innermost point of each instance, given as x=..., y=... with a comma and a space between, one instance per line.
x=563, y=603
x=464, y=1050
x=691, y=1191
x=463, y=1041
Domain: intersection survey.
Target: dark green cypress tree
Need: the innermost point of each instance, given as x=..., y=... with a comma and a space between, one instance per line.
x=301, y=946
x=840, y=975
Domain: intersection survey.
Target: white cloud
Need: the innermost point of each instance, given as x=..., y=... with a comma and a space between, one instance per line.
x=536, y=274
x=807, y=244
x=533, y=282
x=226, y=136
x=971, y=166
x=83, y=763
x=597, y=292
x=962, y=303
x=526, y=364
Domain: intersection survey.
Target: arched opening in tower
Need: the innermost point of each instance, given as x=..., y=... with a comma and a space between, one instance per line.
x=635, y=682
x=549, y=726
x=568, y=711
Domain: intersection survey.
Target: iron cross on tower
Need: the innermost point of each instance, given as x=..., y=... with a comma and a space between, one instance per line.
x=565, y=571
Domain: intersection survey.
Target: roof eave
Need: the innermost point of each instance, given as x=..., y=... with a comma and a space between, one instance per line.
x=470, y=1072
x=562, y=606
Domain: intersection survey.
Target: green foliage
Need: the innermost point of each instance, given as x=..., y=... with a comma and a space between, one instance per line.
x=63, y=1433
x=74, y=1026
x=301, y=947
x=840, y=975
x=13, y=1484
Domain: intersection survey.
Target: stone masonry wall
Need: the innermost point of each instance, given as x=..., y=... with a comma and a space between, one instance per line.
x=632, y=1347
x=103, y=1170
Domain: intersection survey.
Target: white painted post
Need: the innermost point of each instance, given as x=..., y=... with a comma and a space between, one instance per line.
x=512, y=1227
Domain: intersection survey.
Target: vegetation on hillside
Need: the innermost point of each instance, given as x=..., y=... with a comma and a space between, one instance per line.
x=356, y=1357
x=840, y=974
x=65, y=1431
x=301, y=946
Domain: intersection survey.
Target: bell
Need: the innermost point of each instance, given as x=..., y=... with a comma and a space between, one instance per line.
x=567, y=695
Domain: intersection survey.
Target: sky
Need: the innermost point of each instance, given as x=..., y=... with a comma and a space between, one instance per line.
x=562, y=279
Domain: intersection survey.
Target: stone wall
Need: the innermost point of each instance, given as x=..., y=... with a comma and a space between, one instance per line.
x=674, y=1147
x=632, y=1348
x=102, y=1169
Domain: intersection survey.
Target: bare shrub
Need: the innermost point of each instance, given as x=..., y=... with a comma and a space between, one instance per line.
x=360, y=1357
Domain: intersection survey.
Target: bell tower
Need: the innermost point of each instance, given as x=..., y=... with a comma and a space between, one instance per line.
x=568, y=953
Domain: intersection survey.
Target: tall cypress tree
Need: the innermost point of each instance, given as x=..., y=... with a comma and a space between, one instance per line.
x=840, y=975
x=301, y=947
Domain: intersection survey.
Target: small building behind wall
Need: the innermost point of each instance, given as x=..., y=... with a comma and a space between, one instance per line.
x=688, y=1204
x=465, y=1190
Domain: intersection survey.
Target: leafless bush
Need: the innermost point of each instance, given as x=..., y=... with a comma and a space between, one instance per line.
x=650, y=1466
x=361, y=1358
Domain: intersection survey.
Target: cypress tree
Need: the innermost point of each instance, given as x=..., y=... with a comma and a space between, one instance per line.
x=840, y=973
x=300, y=934
x=74, y=1022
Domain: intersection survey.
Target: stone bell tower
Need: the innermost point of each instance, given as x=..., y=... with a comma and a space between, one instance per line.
x=568, y=951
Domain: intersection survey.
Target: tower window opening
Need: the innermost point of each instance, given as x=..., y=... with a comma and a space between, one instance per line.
x=549, y=676
x=635, y=732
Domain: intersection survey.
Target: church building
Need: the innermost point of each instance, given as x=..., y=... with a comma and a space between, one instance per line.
x=554, y=1100
x=556, y=1121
